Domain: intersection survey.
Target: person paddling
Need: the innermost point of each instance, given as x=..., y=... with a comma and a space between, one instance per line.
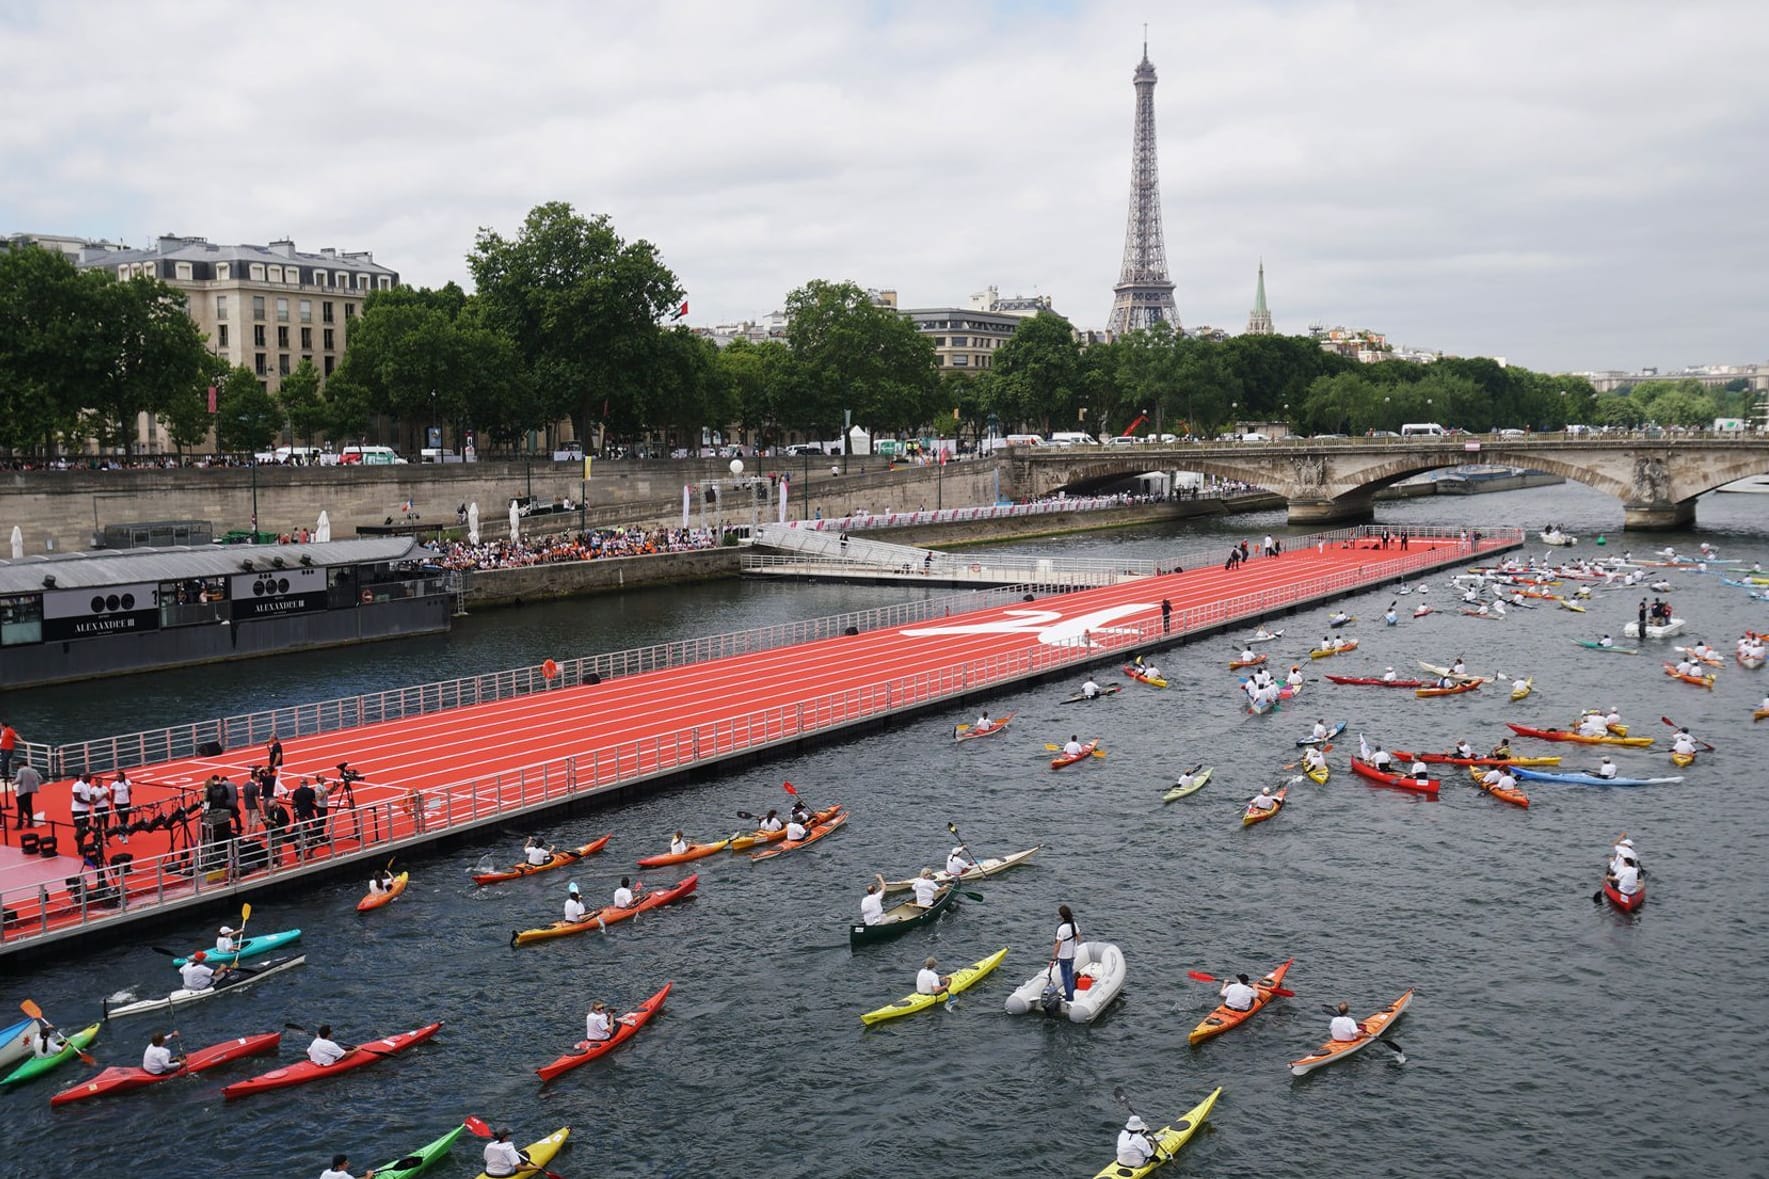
x=1090, y=690
x=197, y=974
x=598, y=1024
x=535, y=853
x=502, y=1159
x=1344, y=1029
x=623, y=896
x=956, y=863
x=157, y=1059
x=872, y=904
x=929, y=980
x=926, y=889
x=325, y=1051
x=1136, y=1146
x=678, y=844
x=574, y=905
x=1238, y=994
x=1072, y=747
x=1263, y=801
x=772, y=822
x=340, y=1169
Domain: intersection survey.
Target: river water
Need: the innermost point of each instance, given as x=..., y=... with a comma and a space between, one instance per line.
x=1549, y=1036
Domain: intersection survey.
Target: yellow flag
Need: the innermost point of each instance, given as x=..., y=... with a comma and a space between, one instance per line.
x=587, y=461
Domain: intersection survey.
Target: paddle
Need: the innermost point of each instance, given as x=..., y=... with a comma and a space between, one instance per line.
x=295, y=1027
x=1692, y=736
x=30, y=1008
x=478, y=1128
x=1118, y=1095
x=1400, y=1056
x=1280, y=992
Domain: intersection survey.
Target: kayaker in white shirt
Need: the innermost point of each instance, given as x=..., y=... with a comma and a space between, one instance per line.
x=381, y=882
x=1606, y=641
x=227, y=941
x=598, y=1024
x=1246, y=654
x=796, y=831
x=956, y=863
x=1345, y=1029
x=1520, y=685
x=502, y=1159
x=872, y=904
x=623, y=896
x=536, y=853
x=1238, y=994
x=1463, y=749
x=1622, y=853
x=574, y=905
x=1136, y=1146
x=324, y=1051
x=1682, y=742
x=340, y=1169
x=197, y=974
x=1294, y=679
x=1607, y=769
x=1458, y=667
x=1072, y=747
x=1684, y=667
x=925, y=888
x=1491, y=778
x=1506, y=781
x=1626, y=879
x=929, y=980
x=983, y=725
x=1150, y=671
x=1319, y=732
x=1313, y=758
x=1388, y=675
x=773, y=822
x=1419, y=769
x=801, y=814
x=1381, y=759
x=1089, y=690
x=157, y=1059
x=678, y=844
x=1263, y=801
x=1593, y=725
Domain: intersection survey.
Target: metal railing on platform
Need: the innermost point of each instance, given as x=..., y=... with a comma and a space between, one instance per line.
x=233, y=865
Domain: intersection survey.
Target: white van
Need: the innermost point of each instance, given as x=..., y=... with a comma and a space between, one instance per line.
x=370, y=456
x=1421, y=429
x=1023, y=440
x=1072, y=438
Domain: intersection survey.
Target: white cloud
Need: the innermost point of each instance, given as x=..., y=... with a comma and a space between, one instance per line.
x=1571, y=185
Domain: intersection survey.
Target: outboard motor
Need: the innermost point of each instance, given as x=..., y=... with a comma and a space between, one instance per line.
x=1052, y=999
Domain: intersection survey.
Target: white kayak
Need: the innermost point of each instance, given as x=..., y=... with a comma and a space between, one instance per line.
x=240, y=976
x=1099, y=976
x=1258, y=638
x=989, y=866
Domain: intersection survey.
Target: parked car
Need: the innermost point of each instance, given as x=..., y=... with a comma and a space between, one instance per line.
x=370, y=456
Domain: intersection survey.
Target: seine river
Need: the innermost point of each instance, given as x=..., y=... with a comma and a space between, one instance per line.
x=1549, y=1036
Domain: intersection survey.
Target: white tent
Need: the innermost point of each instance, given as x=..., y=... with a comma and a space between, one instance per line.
x=473, y=522
x=323, y=533
x=18, y=542
x=515, y=523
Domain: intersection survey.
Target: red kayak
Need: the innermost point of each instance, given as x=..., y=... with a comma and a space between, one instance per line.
x=1450, y=759
x=1457, y=690
x=304, y=1071
x=625, y=1028
x=1364, y=769
x=1626, y=904
x=121, y=1080
x=1069, y=759
x=1362, y=681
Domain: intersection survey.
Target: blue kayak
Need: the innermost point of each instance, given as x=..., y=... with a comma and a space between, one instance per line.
x=250, y=948
x=1577, y=779
x=15, y=1042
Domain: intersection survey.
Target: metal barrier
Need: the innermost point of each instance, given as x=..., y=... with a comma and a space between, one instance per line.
x=356, y=833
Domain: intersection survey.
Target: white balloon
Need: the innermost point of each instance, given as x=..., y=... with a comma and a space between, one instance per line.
x=737, y=466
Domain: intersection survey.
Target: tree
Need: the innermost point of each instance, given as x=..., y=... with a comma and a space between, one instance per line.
x=1613, y=409
x=44, y=309
x=1679, y=406
x=1040, y=368
x=855, y=356
x=582, y=306
x=247, y=418
x=302, y=406
x=348, y=402
x=187, y=418
x=147, y=350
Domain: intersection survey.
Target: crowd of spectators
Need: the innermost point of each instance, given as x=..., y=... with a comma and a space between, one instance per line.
x=577, y=546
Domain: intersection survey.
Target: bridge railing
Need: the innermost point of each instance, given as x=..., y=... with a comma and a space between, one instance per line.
x=367, y=831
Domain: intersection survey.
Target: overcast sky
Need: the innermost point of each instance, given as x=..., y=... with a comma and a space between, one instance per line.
x=1570, y=185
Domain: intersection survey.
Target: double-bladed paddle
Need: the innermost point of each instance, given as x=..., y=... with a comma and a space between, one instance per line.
x=1692, y=736
x=1280, y=992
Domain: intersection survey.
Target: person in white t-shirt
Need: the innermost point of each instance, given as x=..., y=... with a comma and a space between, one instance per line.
x=340, y=1169
x=956, y=863
x=1626, y=879
x=1319, y=732
x=678, y=844
x=926, y=889
x=1419, y=769
x=1381, y=759
x=929, y=980
x=197, y=974
x=1464, y=749
x=157, y=1059
x=1593, y=725
x=324, y=1051
x=1090, y=690
x=1238, y=994
x=1263, y=801
x=227, y=941
x=535, y=853
x=598, y=1023
x=1313, y=758
x=1345, y=1029
x=1606, y=769
x=1136, y=1146
x=796, y=831
x=502, y=1159
x=772, y=822
x=1683, y=743
x=574, y=905
x=872, y=904
x=1072, y=747
x=623, y=896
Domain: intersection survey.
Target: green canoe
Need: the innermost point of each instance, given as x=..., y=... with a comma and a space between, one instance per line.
x=36, y=1066
x=1198, y=784
x=900, y=919
x=421, y=1159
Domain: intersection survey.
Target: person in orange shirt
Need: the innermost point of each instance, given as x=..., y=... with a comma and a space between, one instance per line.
x=8, y=746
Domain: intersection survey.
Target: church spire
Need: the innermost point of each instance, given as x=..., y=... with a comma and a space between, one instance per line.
x=1259, y=323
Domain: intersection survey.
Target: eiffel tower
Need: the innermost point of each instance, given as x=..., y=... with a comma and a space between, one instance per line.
x=1144, y=294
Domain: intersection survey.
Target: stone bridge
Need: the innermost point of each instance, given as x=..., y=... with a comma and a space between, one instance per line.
x=1657, y=479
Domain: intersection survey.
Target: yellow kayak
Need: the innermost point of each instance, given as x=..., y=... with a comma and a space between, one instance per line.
x=1528, y=687
x=1168, y=1140
x=541, y=1153
x=1319, y=775
x=962, y=980
x=1681, y=760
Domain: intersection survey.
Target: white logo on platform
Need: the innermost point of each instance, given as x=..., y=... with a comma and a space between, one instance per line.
x=1050, y=626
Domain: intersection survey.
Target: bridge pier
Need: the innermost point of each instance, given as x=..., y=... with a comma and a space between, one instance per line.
x=1348, y=509
x=1659, y=516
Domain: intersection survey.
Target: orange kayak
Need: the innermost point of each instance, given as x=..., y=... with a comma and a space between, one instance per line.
x=811, y=836
x=1238, y=664
x=559, y=859
x=1513, y=796
x=1700, y=681
x=1334, y=1051
x=376, y=899
x=696, y=851
x=608, y=915
x=1254, y=814
x=1069, y=759
x=1470, y=686
x=758, y=836
x=1224, y=1018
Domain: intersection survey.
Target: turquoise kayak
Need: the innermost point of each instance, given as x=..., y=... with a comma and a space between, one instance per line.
x=1575, y=778
x=421, y=1159
x=250, y=948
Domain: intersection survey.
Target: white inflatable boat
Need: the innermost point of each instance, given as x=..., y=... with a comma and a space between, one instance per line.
x=1654, y=631
x=1099, y=976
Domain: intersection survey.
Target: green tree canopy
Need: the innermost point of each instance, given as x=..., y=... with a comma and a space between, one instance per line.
x=1041, y=376
x=247, y=418
x=854, y=355
x=303, y=407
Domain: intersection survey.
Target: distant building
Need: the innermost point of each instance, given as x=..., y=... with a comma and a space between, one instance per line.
x=1259, y=321
x=1358, y=343
x=964, y=338
x=1712, y=376
x=60, y=243
x=989, y=299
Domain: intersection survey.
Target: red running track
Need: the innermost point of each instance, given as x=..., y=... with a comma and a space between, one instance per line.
x=473, y=763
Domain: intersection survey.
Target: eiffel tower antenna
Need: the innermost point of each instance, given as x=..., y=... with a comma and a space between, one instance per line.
x=1143, y=295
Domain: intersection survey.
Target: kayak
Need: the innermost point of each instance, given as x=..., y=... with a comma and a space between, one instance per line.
x=421, y=1159
x=1467, y=686
x=1069, y=759
x=1327, y=652
x=1453, y=760
x=1347, y=619
x=1562, y=735
x=1113, y=690
x=1259, y=706
x=696, y=851
x=122, y=1080
x=15, y=1042
x=1332, y=732
x=1510, y=794
x=36, y=1066
x=1153, y=681
x=1446, y=673
x=1566, y=604
x=250, y=948
x=540, y=1153
x=1519, y=693
x=901, y=918
x=625, y=1028
x=240, y=976
x=1682, y=760
x=1576, y=778
x=303, y=1071
x=1485, y=614
x=1587, y=643
x=1259, y=638
x=971, y=732
x=1758, y=714
x=1364, y=769
x=1700, y=681
x=1168, y=1140
x=962, y=980
x=1751, y=662
x=1362, y=681
x=1198, y=783
x=1255, y=814
x=812, y=835
x=608, y=915
x=1225, y=1017
x=1623, y=901
x=989, y=866
x=1710, y=660
x=1334, y=1051
x=1318, y=774
x=559, y=859
x=375, y=900
x=745, y=842
x=1290, y=691
x=1422, y=610
x=1238, y=664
